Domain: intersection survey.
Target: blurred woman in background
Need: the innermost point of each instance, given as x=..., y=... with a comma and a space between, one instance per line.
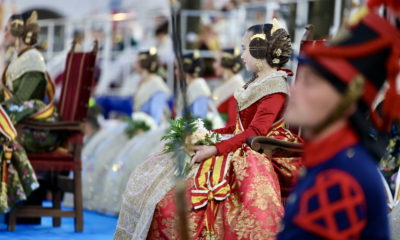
x=99, y=156
x=229, y=67
x=154, y=177
x=24, y=87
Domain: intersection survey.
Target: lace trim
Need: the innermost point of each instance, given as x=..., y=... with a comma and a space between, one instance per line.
x=147, y=185
x=30, y=61
x=273, y=83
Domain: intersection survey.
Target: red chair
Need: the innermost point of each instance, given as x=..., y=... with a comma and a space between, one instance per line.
x=73, y=108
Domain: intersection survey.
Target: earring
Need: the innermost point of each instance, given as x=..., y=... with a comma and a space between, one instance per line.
x=259, y=65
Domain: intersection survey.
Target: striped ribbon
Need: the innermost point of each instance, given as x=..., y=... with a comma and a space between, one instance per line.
x=210, y=184
x=6, y=160
x=49, y=110
x=8, y=130
x=6, y=126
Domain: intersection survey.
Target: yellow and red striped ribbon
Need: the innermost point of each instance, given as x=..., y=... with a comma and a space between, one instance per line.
x=7, y=155
x=211, y=184
x=6, y=126
x=50, y=108
x=7, y=93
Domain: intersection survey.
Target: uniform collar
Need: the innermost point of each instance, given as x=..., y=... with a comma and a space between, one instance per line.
x=319, y=151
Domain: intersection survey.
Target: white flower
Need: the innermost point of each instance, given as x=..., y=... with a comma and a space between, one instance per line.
x=198, y=136
x=276, y=61
x=147, y=119
x=278, y=52
x=199, y=124
x=29, y=104
x=15, y=108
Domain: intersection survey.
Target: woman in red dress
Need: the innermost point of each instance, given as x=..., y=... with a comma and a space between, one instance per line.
x=235, y=193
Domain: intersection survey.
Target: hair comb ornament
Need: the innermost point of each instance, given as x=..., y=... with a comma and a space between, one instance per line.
x=275, y=25
x=33, y=18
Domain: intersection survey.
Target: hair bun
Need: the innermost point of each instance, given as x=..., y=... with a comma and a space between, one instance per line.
x=25, y=26
x=31, y=34
x=149, y=60
x=193, y=64
x=280, y=48
x=17, y=27
x=231, y=60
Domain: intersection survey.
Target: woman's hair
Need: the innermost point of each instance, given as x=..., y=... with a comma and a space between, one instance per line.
x=193, y=64
x=25, y=26
x=149, y=60
x=231, y=60
x=276, y=48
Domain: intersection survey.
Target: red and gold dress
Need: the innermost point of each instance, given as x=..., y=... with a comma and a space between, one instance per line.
x=237, y=194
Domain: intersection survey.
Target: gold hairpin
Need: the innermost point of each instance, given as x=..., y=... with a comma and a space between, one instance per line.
x=236, y=52
x=258, y=35
x=142, y=56
x=187, y=60
x=196, y=54
x=227, y=55
x=18, y=22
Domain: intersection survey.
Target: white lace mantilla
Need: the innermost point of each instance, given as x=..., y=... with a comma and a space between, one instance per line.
x=226, y=89
x=147, y=185
x=148, y=88
x=30, y=61
x=270, y=84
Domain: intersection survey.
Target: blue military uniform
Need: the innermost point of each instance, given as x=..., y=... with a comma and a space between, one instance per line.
x=340, y=196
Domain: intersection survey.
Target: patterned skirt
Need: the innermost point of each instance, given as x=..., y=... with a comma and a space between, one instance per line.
x=252, y=209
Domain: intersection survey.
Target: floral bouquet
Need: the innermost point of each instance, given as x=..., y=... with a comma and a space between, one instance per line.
x=139, y=122
x=182, y=136
x=25, y=109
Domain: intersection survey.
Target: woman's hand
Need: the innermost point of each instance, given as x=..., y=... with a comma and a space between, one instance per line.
x=203, y=152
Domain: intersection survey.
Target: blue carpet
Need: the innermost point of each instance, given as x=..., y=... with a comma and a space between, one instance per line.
x=96, y=227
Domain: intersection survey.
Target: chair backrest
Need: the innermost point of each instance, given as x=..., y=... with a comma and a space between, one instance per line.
x=77, y=84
